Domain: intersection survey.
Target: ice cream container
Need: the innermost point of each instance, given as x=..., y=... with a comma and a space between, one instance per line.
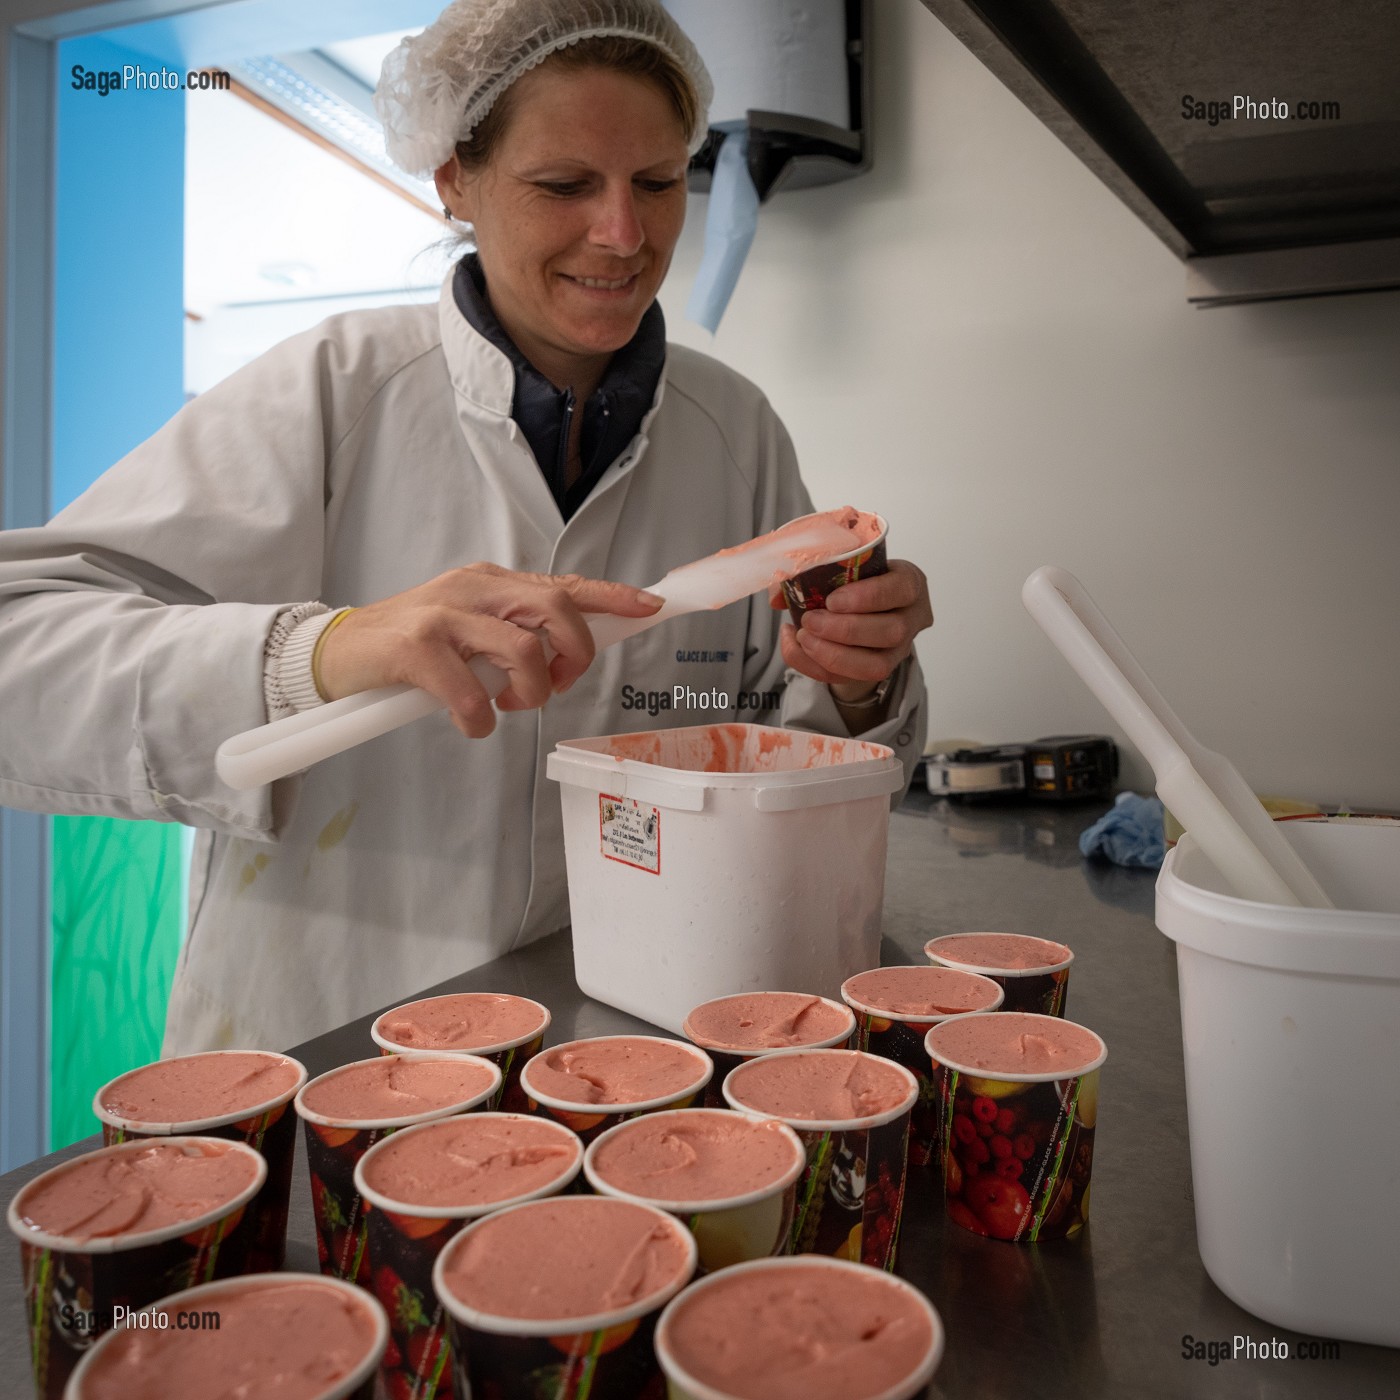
x=1033, y=972
x=1019, y=1095
x=421, y=1185
x=266, y=1334
x=1289, y=1021
x=799, y=1329
x=895, y=1008
x=851, y=1196
x=811, y=588
x=730, y=1177
x=736, y=1028
x=338, y=1134
x=681, y=1078
x=76, y=1281
x=604, y=1268
x=139, y=1104
x=693, y=857
x=502, y=1028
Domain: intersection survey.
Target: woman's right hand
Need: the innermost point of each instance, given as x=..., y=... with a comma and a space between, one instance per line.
x=426, y=635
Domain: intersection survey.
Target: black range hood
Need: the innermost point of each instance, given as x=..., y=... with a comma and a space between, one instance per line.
x=1259, y=140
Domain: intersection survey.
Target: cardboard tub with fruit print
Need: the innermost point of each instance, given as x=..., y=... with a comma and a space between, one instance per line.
x=850, y=1199
x=420, y=1187
x=527, y=1322
x=1018, y=1143
x=898, y=1035
x=336, y=1140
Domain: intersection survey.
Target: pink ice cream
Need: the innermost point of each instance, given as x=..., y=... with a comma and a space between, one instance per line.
x=1015, y=1043
x=849, y=530
x=464, y=1021
x=922, y=991
x=766, y=1021
x=289, y=1338
x=695, y=1155
x=130, y=1191
x=821, y=1086
x=471, y=1161
x=799, y=1333
x=996, y=952
x=817, y=538
x=624, y=1069
x=571, y=1257
x=196, y=1088
x=380, y=1090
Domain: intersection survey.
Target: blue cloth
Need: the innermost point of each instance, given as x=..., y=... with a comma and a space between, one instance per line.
x=730, y=223
x=1130, y=833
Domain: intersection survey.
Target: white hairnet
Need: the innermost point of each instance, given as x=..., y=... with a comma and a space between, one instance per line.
x=435, y=87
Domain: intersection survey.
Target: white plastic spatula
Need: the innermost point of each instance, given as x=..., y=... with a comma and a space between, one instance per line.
x=1204, y=790
x=272, y=751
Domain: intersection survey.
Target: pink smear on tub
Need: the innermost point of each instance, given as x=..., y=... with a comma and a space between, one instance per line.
x=734, y=748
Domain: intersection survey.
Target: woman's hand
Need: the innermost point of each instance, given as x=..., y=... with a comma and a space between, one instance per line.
x=866, y=629
x=426, y=635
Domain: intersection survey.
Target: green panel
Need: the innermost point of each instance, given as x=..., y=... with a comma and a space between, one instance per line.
x=117, y=922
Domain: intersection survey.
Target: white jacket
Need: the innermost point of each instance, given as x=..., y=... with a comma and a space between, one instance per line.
x=347, y=464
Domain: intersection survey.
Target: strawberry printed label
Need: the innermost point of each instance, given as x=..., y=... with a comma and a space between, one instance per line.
x=630, y=832
x=617, y=1363
x=402, y=1250
x=1017, y=1156
x=903, y=1042
x=851, y=1197
x=339, y=1209
x=1042, y=993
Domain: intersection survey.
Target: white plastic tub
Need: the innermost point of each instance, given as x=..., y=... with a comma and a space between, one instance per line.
x=1291, y=1024
x=722, y=858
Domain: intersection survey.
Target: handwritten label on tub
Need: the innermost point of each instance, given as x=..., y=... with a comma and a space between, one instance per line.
x=630, y=832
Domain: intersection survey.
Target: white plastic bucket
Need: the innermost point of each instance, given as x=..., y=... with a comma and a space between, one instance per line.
x=1291, y=1024
x=722, y=858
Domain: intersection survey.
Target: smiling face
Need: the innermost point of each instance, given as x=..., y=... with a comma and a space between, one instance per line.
x=576, y=213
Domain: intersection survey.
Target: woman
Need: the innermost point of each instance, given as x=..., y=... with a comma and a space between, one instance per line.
x=534, y=418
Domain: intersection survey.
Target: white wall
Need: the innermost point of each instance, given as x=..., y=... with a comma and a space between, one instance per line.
x=980, y=342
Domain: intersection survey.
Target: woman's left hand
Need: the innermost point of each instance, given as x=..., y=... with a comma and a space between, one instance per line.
x=866, y=629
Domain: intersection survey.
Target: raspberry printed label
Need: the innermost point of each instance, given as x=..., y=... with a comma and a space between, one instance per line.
x=630, y=832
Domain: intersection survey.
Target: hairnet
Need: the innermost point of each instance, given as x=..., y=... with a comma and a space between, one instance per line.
x=435, y=87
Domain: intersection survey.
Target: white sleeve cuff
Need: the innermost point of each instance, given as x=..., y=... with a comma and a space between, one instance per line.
x=288, y=685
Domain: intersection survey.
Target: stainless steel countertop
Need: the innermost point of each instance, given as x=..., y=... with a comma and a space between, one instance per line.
x=1104, y=1315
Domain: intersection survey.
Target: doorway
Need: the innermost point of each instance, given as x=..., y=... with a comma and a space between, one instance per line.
x=102, y=347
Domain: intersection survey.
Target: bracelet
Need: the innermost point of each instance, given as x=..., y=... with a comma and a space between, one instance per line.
x=320, y=642
x=878, y=696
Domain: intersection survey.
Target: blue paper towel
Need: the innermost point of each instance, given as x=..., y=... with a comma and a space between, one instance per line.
x=786, y=56
x=1129, y=833
x=730, y=223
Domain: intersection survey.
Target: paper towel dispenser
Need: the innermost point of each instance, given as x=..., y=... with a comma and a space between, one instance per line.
x=793, y=73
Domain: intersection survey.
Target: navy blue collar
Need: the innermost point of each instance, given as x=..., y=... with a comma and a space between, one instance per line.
x=611, y=417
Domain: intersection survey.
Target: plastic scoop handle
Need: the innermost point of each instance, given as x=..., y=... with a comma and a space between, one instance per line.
x=271, y=751
x=1203, y=789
